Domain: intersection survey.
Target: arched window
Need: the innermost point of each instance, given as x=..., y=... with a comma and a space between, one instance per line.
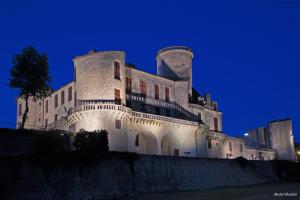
x=137, y=140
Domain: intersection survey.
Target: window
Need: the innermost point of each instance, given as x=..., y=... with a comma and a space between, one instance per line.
x=216, y=124
x=62, y=100
x=118, y=124
x=156, y=88
x=128, y=84
x=209, y=143
x=167, y=93
x=241, y=147
x=55, y=118
x=46, y=123
x=70, y=94
x=20, y=109
x=215, y=107
x=230, y=146
x=56, y=101
x=168, y=113
x=176, y=152
x=46, y=106
x=75, y=102
x=117, y=69
x=143, y=88
x=137, y=142
x=117, y=96
x=157, y=110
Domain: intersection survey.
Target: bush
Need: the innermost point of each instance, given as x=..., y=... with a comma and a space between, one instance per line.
x=96, y=141
x=51, y=141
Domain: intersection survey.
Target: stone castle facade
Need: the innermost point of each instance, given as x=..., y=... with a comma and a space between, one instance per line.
x=151, y=114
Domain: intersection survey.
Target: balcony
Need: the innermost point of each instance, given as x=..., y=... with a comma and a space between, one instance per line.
x=162, y=104
x=110, y=105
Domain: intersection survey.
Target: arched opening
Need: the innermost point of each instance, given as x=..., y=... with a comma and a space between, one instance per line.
x=170, y=145
x=146, y=143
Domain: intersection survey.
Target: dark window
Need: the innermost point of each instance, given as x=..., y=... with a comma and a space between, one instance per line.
x=117, y=69
x=168, y=113
x=230, y=146
x=216, y=124
x=156, y=88
x=46, y=106
x=75, y=100
x=70, y=94
x=143, y=88
x=62, y=100
x=167, y=94
x=118, y=124
x=128, y=84
x=20, y=109
x=209, y=144
x=55, y=118
x=46, y=123
x=117, y=96
x=176, y=152
x=55, y=101
x=241, y=147
x=215, y=107
x=157, y=110
x=137, y=142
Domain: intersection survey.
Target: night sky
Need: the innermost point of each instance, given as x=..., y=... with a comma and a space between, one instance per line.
x=246, y=53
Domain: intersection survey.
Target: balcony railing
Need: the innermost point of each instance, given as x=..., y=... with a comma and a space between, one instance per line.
x=87, y=105
x=162, y=103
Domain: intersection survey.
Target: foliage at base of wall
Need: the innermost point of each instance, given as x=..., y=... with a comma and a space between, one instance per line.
x=96, y=141
x=23, y=141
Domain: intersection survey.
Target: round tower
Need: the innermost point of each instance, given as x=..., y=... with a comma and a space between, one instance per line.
x=100, y=76
x=175, y=63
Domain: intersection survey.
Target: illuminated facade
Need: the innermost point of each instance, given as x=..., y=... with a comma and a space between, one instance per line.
x=151, y=114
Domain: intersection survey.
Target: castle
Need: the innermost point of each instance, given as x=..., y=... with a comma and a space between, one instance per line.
x=151, y=114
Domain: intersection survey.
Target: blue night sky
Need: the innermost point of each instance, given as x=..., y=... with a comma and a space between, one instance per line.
x=247, y=53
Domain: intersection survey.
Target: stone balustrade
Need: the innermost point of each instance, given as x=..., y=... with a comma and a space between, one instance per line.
x=110, y=105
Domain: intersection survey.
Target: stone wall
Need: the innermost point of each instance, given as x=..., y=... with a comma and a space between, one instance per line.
x=75, y=176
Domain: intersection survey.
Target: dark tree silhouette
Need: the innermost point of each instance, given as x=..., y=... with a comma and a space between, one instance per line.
x=30, y=75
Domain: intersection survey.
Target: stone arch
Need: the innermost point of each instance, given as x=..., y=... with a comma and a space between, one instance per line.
x=201, y=142
x=170, y=145
x=146, y=143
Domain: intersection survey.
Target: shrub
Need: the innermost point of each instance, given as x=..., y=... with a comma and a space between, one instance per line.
x=51, y=141
x=96, y=141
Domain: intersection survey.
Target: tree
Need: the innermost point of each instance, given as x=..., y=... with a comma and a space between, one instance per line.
x=30, y=75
